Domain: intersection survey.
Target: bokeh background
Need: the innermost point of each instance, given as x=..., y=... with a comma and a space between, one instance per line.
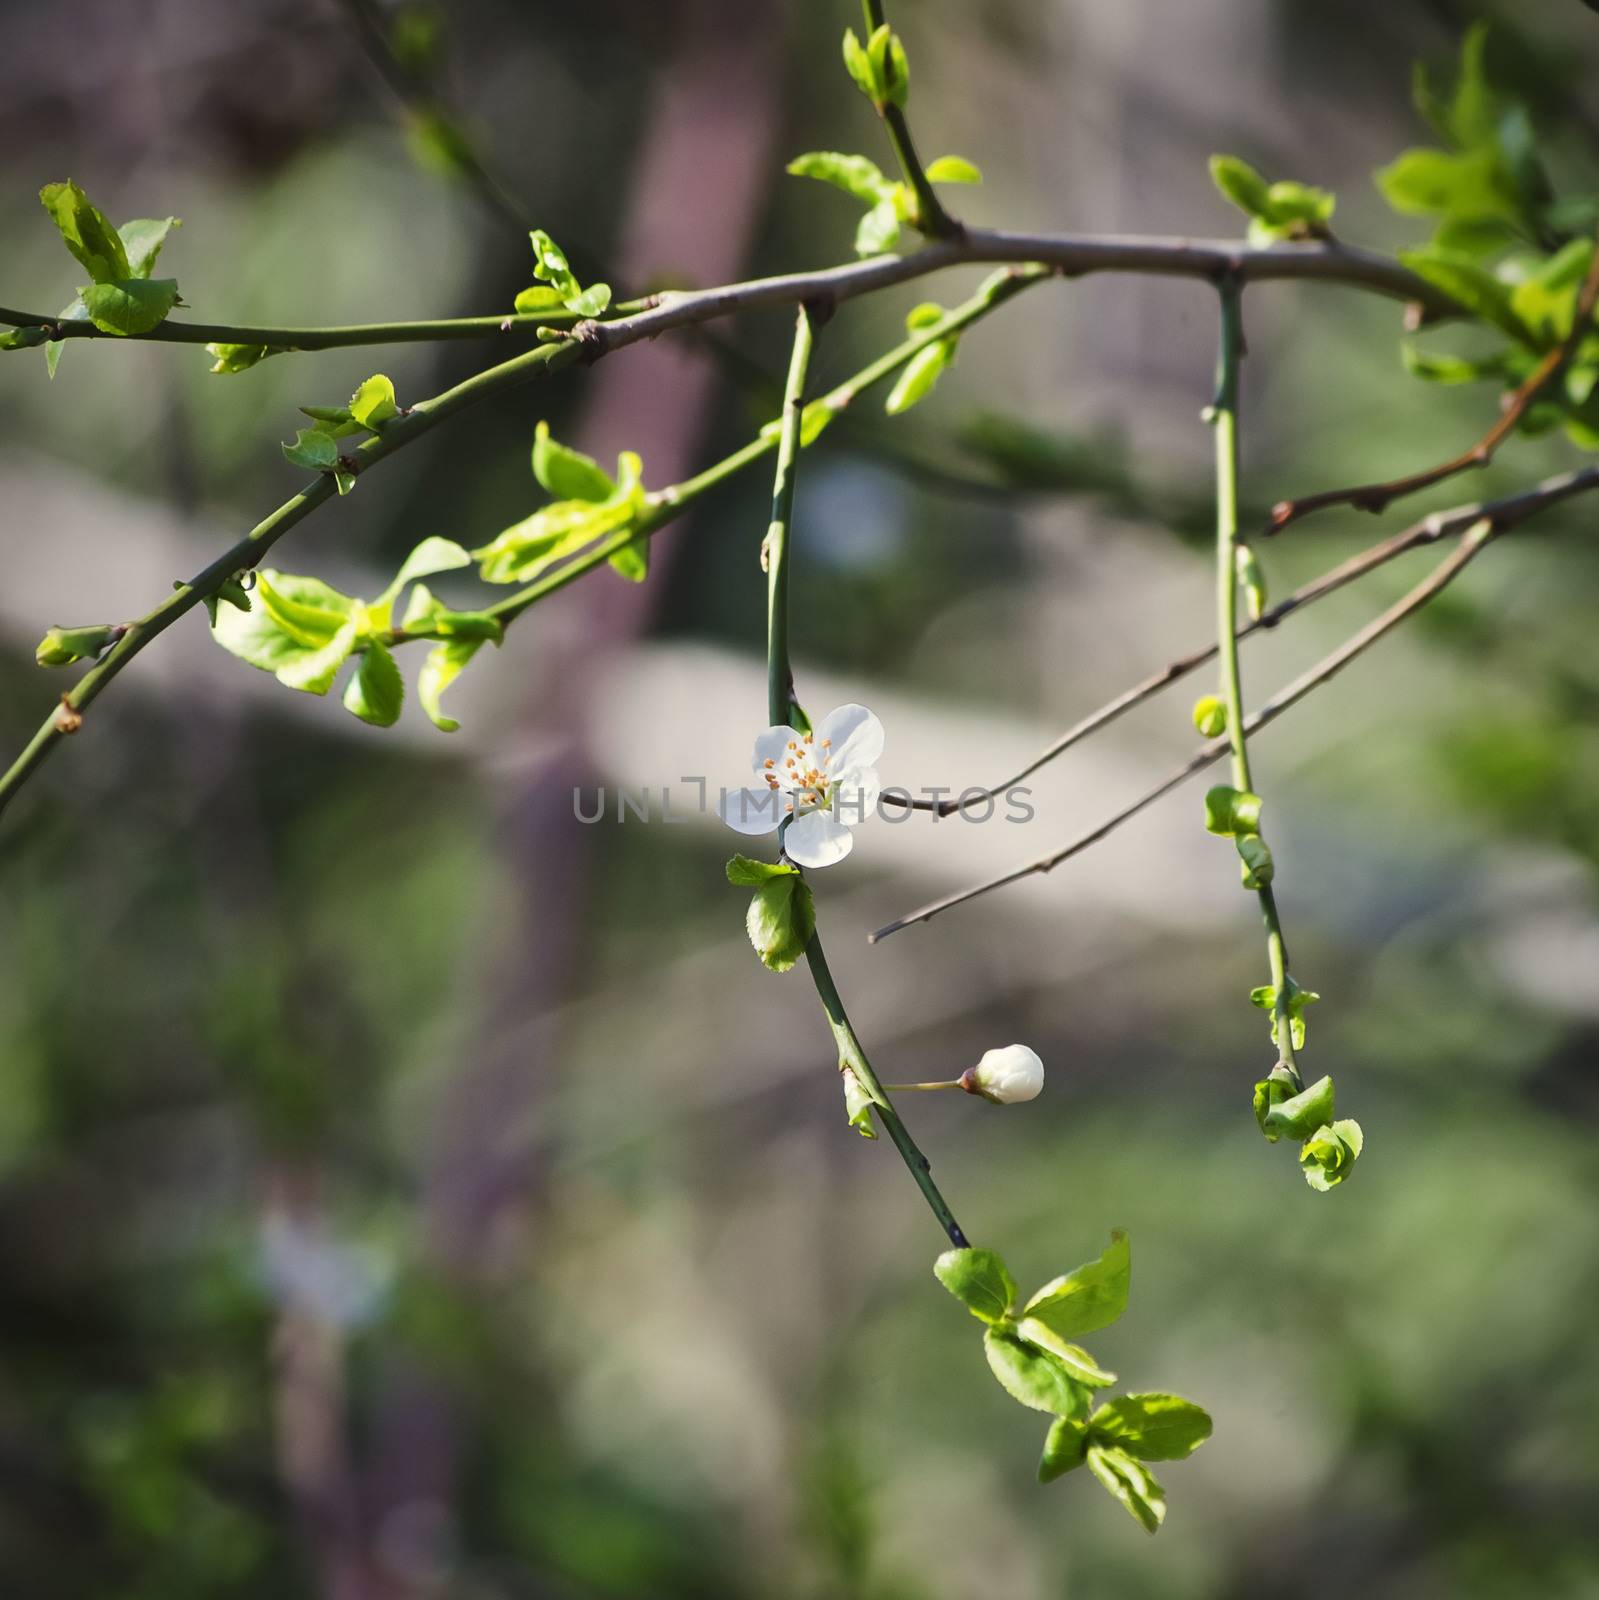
x=408, y=1191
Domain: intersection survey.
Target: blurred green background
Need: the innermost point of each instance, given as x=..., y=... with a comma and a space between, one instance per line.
x=408, y=1191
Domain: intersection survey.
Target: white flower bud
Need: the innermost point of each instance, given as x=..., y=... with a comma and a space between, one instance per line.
x=1006, y=1076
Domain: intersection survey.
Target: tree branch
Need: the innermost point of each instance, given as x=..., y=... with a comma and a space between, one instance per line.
x=1376, y=497
x=1497, y=517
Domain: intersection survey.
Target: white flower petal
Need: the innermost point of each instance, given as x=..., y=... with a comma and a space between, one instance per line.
x=1009, y=1075
x=817, y=839
x=752, y=810
x=856, y=738
x=854, y=795
x=773, y=746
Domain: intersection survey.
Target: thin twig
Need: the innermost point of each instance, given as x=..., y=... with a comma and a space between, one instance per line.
x=1072, y=255
x=1499, y=517
x=931, y=217
x=1377, y=497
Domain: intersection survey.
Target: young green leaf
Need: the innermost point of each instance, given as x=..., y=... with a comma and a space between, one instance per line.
x=632, y=561
x=376, y=691
x=1470, y=283
x=1079, y=1365
x=23, y=338
x=855, y=175
x=1131, y=1483
x=566, y=473
x=315, y=449
x=859, y=66
x=916, y=381
x=231, y=358
x=129, y=306
x=1065, y=1447
x=1276, y=1087
x=1299, y=1116
x=1329, y=1154
x=857, y=1104
x=1210, y=716
x=1294, y=1004
x=592, y=301
x=1089, y=1298
x=1152, y=1427
x=373, y=404
x=1231, y=812
x=1259, y=867
x=953, y=169
x=61, y=647
x=538, y=297
x=1240, y=183
x=142, y=240
x=889, y=66
x=747, y=873
x=980, y=1280
x=878, y=230
x=1030, y=1376
x=781, y=920
x=314, y=671
x=87, y=234
x=429, y=618
x=443, y=665
x=309, y=611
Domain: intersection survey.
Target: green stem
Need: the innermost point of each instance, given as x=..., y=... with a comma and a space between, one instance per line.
x=852, y=1055
x=774, y=552
x=249, y=550
x=669, y=504
x=931, y=217
x=1224, y=418
x=779, y=707
x=316, y=338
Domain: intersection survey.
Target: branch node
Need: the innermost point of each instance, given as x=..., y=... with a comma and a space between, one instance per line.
x=67, y=718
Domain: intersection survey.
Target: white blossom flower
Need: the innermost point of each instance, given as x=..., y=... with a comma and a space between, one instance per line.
x=821, y=783
x=1006, y=1076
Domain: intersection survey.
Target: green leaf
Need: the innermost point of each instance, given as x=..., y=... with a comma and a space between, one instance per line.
x=1080, y=1366
x=980, y=1280
x=239, y=357
x=88, y=235
x=953, y=169
x=1450, y=369
x=1276, y=1087
x=926, y=315
x=1210, y=716
x=1289, y=203
x=1231, y=812
x=443, y=665
x=890, y=66
x=857, y=1103
x=142, y=239
x=1328, y=1154
x=560, y=530
x=373, y=403
x=432, y=555
x=1258, y=866
x=1297, y=999
x=1240, y=183
x=377, y=690
x=129, y=306
x=632, y=561
x=314, y=671
x=1089, y=1298
x=781, y=920
x=539, y=297
x=747, y=873
x=919, y=376
x=1130, y=1482
x=61, y=647
x=878, y=230
x=1065, y=1447
x=813, y=420
x=859, y=66
x=1152, y=1427
x=306, y=609
x=855, y=175
x=1471, y=187
x=429, y=618
x=566, y=473
x=23, y=338
x=1030, y=1376
x=315, y=449
x=1546, y=300
x=592, y=301
x=1468, y=282
x=1300, y=1115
